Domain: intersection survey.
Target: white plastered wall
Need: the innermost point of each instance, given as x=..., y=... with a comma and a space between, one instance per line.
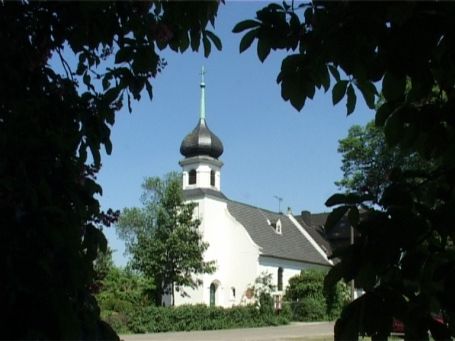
x=290, y=269
x=234, y=252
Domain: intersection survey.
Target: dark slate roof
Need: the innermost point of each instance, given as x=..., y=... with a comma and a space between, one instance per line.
x=317, y=232
x=201, y=192
x=291, y=244
x=201, y=141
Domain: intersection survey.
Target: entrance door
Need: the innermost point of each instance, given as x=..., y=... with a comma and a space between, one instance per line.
x=212, y=294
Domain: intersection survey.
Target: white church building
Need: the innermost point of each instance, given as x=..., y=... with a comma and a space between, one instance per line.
x=244, y=241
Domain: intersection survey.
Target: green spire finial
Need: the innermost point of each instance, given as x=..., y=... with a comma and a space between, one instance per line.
x=202, y=112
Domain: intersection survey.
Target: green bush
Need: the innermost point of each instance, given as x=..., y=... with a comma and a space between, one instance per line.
x=309, y=309
x=308, y=300
x=182, y=318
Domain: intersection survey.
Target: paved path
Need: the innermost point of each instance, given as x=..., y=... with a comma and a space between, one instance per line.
x=294, y=331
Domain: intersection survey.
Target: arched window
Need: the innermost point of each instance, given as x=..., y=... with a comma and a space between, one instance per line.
x=212, y=294
x=212, y=178
x=280, y=279
x=192, y=177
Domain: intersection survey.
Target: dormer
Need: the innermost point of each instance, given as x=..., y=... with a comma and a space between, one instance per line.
x=275, y=224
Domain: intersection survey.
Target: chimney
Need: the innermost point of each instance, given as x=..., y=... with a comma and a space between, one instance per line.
x=306, y=216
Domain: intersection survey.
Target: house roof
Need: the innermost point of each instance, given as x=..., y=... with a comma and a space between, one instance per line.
x=290, y=244
x=196, y=193
x=316, y=231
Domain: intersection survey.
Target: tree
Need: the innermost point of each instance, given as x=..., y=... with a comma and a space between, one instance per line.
x=310, y=301
x=405, y=257
x=367, y=161
x=163, y=238
x=49, y=122
x=123, y=295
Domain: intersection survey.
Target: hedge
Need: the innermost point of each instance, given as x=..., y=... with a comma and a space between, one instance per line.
x=192, y=317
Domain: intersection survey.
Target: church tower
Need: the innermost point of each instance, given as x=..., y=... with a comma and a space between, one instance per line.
x=201, y=149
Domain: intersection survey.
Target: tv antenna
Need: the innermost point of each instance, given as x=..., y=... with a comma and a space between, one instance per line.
x=279, y=202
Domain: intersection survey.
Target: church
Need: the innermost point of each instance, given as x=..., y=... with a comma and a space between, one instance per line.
x=244, y=241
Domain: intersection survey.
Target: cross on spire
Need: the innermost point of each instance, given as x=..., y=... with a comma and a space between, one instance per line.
x=202, y=75
x=202, y=111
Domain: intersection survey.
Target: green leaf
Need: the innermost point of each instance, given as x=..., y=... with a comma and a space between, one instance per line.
x=215, y=40
x=112, y=94
x=393, y=86
x=95, y=154
x=124, y=55
x=368, y=91
x=148, y=87
x=108, y=146
x=339, y=91
x=106, y=82
x=244, y=25
x=86, y=79
x=294, y=22
x=334, y=72
x=325, y=77
x=263, y=49
x=195, y=38
x=207, y=46
x=247, y=40
x=347, y=199
x=184, y=42
x=393, y=128
x=352, y=99
x=335, y=216
x=382, y=114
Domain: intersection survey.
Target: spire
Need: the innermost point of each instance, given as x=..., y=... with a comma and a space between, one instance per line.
x=202, y=112
x=201, y=141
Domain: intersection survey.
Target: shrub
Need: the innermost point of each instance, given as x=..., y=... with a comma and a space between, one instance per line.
x=309, y=301
x=182, y=318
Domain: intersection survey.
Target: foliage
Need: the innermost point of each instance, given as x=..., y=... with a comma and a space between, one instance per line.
x=310, y=301
x=262, y=291
x=367, y=161
x=153, y=319
x=124, y=293
x=164, y=239
x=405, y=258
x=49, y=122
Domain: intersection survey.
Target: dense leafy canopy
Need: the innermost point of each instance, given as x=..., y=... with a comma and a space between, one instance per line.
x=122, y=296
x=163, y=238
x=405, y=257
x=49, y=122
x=367, y=161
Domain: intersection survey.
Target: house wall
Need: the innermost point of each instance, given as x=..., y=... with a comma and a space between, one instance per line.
x=234, y=252
x=290, y=268
x=238, y=259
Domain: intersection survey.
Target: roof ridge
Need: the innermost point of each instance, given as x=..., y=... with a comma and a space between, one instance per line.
x=256, y=207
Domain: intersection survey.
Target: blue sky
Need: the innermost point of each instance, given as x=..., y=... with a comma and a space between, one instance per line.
x=270, y=149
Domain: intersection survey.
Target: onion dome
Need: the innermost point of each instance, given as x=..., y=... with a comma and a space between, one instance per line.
x=201, y=141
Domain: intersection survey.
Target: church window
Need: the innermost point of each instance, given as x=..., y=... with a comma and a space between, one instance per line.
x=212, y=294
x=232, y=293
x=280, y=279
x=212, y=178
x=192, y=177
